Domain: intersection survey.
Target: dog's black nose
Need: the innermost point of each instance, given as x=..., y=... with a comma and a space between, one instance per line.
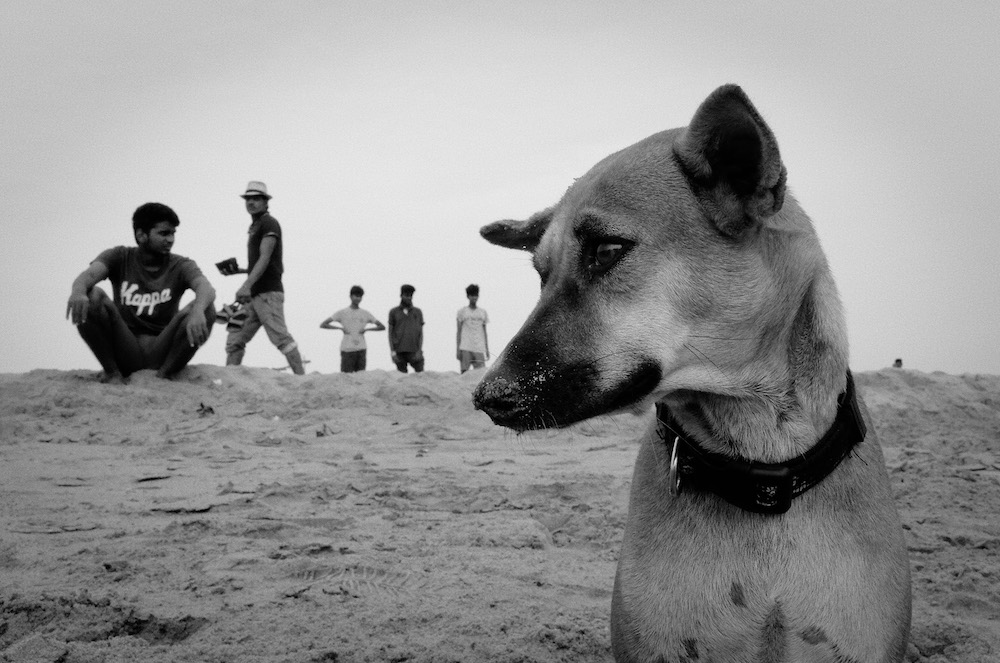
x=496, y=397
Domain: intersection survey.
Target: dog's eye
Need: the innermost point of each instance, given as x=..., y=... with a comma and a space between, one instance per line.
x=602, y=255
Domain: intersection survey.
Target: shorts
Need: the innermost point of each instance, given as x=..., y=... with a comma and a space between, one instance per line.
x=414, y=359
x=354, y=361
x=468, y=359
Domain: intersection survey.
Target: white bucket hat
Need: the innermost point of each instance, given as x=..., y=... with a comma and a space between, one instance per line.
x=256, y=189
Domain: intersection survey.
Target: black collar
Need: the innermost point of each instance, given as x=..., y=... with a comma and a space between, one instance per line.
x=761, y=487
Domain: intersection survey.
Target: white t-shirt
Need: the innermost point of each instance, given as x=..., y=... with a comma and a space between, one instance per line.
x=353, y=320
x=473, y=336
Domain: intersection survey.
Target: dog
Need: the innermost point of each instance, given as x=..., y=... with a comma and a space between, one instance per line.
x=680, y=272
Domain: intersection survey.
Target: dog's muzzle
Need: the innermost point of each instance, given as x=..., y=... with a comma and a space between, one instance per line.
x=551, y=398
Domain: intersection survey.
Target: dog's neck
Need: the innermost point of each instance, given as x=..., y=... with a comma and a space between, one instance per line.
x=780, y=405
x=760, y=487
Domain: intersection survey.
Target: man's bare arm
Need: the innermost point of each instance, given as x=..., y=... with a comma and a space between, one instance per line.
x=267, y=246
x=79, y=296
x=197, y=325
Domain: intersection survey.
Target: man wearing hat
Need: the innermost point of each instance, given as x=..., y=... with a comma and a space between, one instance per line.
x=406, y=332
x=262, y=294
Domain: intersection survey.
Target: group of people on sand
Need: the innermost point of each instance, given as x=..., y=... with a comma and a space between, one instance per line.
x=406, y=332
x=142, y=326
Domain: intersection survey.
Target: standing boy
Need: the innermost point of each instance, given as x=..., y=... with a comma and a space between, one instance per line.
x=406, y=332
x=262, y=294
x=354, y=322
x=143, y=326
x=472, y=347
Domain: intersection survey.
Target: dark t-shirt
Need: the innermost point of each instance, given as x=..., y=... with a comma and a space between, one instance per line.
x=147, y=300
x=270, y=280
x=405, y=329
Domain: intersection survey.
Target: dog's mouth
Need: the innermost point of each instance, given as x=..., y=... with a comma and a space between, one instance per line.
x=554, y=398
x=641, y=384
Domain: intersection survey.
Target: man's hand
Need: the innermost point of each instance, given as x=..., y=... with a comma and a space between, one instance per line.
x=79, y=294
x=197, y=328
x=77, y=307
x=243, y=294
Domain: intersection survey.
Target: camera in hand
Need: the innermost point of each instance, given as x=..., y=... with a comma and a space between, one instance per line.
x=228, y=266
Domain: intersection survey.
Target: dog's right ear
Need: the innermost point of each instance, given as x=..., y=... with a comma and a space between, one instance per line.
x=731, y=159
x=523, y=235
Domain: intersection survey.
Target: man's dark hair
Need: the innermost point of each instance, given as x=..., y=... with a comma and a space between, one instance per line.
x=148, y=215
x=357, y=290
x=473, y=289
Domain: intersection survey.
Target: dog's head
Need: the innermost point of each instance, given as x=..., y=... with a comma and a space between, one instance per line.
x=663, y=268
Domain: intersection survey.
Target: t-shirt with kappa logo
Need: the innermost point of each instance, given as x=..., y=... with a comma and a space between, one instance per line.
x=147, y=300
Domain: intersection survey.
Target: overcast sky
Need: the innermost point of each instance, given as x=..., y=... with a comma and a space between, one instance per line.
x=389, y=132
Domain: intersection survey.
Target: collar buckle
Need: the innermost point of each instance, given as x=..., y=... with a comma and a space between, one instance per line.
x=773, y=487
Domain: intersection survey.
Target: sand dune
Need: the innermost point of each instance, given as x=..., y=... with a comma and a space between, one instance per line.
x=248, y=515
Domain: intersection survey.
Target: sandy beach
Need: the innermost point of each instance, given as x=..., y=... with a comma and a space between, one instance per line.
x=245, y=514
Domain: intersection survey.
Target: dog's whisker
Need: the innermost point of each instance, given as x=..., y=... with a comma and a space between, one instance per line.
x=730, y=382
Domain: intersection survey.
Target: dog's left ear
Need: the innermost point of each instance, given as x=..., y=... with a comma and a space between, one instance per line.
x=523, y=235
x=731, y=159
